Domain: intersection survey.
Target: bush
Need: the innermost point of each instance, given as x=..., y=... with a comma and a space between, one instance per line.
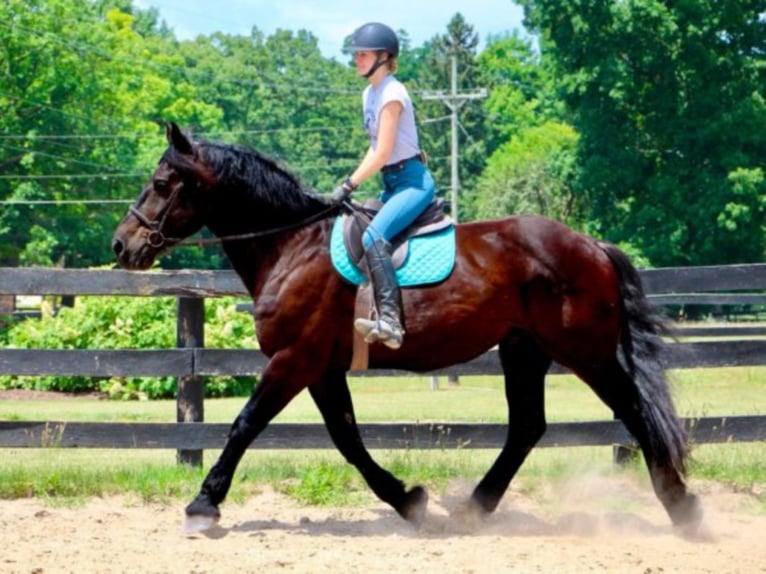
x=128, y=323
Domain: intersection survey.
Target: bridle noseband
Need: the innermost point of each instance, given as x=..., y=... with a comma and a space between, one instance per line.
x=156, y=239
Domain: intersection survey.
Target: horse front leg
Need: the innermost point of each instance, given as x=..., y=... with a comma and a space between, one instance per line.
x=524, y=366
x=333, y=399
x=272, y=394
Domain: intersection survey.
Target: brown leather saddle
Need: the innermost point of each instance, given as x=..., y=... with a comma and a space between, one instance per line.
x=431, y=220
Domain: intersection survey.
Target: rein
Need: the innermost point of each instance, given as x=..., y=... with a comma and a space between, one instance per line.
x=157, y=239
x=201, y=242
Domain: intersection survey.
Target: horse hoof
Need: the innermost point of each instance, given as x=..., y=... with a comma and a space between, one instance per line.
x=687, y=514
x=413, y=510
x=197, y=524
x=468, y=516
x=201, y=516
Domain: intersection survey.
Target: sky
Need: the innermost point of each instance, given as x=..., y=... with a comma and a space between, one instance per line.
x=332, y=20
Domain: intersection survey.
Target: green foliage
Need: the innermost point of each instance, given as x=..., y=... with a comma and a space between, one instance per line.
x=520, y=89
x=70, y=69
x=128, y=323
x=668, y=101
x=532, y=173
x=324, y=484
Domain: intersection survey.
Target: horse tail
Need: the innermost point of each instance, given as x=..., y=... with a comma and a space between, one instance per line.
x=639, y=353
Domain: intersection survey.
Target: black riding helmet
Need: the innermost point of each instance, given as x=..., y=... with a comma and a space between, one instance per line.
x=373, y=37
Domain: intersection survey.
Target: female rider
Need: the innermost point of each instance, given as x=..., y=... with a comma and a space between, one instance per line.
x=389, y=120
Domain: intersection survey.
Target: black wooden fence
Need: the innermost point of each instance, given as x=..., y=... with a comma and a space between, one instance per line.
x=191, y=362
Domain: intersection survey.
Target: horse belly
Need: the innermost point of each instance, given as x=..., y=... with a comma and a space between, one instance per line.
x=443, y=332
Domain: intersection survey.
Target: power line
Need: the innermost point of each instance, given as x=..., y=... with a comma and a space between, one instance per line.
x=203, y=134
x=74, y=176
x=66, y=201
x=55, y=156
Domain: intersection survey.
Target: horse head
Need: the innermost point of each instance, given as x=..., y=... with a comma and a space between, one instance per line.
x=169, y=207
x=234, y=191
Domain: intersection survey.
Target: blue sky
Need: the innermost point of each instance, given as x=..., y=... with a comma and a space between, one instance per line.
x=331, y=20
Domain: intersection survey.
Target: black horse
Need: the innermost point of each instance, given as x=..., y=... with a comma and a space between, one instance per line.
x=530, y=286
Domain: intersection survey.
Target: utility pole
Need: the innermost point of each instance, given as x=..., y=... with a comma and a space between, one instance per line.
x=454, y=101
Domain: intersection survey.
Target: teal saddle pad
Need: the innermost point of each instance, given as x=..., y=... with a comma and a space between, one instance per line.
x=430, y=258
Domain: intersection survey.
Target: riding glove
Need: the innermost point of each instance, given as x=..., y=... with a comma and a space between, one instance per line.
x=343, y=191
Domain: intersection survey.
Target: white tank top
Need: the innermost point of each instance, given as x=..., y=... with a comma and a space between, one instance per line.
x=373, y=100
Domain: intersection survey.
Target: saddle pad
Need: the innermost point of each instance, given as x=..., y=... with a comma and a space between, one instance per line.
x=430, y=258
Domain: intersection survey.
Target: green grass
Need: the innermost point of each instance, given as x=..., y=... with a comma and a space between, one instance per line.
x=323, y=478
x=708, y=392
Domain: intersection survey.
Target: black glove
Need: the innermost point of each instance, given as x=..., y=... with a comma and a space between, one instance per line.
x=343, y=191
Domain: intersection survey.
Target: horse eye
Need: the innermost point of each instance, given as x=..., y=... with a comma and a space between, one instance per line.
x=161, y=185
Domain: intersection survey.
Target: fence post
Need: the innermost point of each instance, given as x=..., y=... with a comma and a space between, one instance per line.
x=622, y=454
x=190, y=333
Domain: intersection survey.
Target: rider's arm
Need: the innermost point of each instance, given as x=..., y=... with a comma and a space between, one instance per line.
x=376, y=158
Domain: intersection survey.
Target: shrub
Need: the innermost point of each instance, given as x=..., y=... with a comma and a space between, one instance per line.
x=128, y=323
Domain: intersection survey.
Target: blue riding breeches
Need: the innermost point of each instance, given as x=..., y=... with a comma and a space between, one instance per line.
x=407, y=193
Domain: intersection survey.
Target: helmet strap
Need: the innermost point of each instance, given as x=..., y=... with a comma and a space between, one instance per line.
x=374, y=68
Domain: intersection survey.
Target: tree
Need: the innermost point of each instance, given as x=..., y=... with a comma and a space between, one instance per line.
x=282, y=97
x=460, y=41
x=531, y=173
x=84, y=84
x=520, y=89
x=71, y=69
x=668, y=101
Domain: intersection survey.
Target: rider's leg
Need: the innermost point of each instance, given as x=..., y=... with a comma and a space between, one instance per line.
x=399, y=211
x=387, y=326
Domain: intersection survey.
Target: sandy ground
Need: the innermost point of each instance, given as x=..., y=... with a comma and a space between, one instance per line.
x=593, y=525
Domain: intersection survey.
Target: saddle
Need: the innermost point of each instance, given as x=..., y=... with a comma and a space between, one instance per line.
x=431, y=220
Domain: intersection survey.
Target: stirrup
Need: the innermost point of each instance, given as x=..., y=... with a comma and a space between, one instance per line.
x=374, y=331
x=364, y=327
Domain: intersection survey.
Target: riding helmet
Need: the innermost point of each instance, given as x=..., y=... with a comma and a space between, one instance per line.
x=374, y=36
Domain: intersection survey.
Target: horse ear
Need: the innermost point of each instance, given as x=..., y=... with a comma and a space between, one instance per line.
x=178, y=139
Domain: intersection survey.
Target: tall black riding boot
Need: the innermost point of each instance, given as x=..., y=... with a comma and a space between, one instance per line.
x=388, y=327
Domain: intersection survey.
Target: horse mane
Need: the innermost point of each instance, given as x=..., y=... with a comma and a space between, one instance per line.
x=240, y=168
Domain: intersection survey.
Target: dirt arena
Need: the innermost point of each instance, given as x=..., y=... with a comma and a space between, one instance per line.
x=593, y=525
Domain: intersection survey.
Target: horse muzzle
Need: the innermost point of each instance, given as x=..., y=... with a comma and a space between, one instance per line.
x=137, y=253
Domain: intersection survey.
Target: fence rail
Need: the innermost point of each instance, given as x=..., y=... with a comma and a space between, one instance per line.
x=719, y=285
x=32, y=434
x=240, y=362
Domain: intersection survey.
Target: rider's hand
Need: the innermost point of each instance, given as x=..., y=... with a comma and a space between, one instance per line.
x=343, y=191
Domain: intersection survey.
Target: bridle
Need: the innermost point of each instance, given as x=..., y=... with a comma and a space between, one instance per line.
x=158, y=240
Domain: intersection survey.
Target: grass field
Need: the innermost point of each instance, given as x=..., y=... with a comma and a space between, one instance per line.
x=708, y=392
x=322, y=477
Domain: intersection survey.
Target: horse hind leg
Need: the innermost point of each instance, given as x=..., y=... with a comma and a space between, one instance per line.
x=642, y=402
x=632, y=383
x=524, y=366
x=333, y=399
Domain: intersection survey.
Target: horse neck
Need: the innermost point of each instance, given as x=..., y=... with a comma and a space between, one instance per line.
x=261, y=261
x=255, y=196
x=276, y=230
